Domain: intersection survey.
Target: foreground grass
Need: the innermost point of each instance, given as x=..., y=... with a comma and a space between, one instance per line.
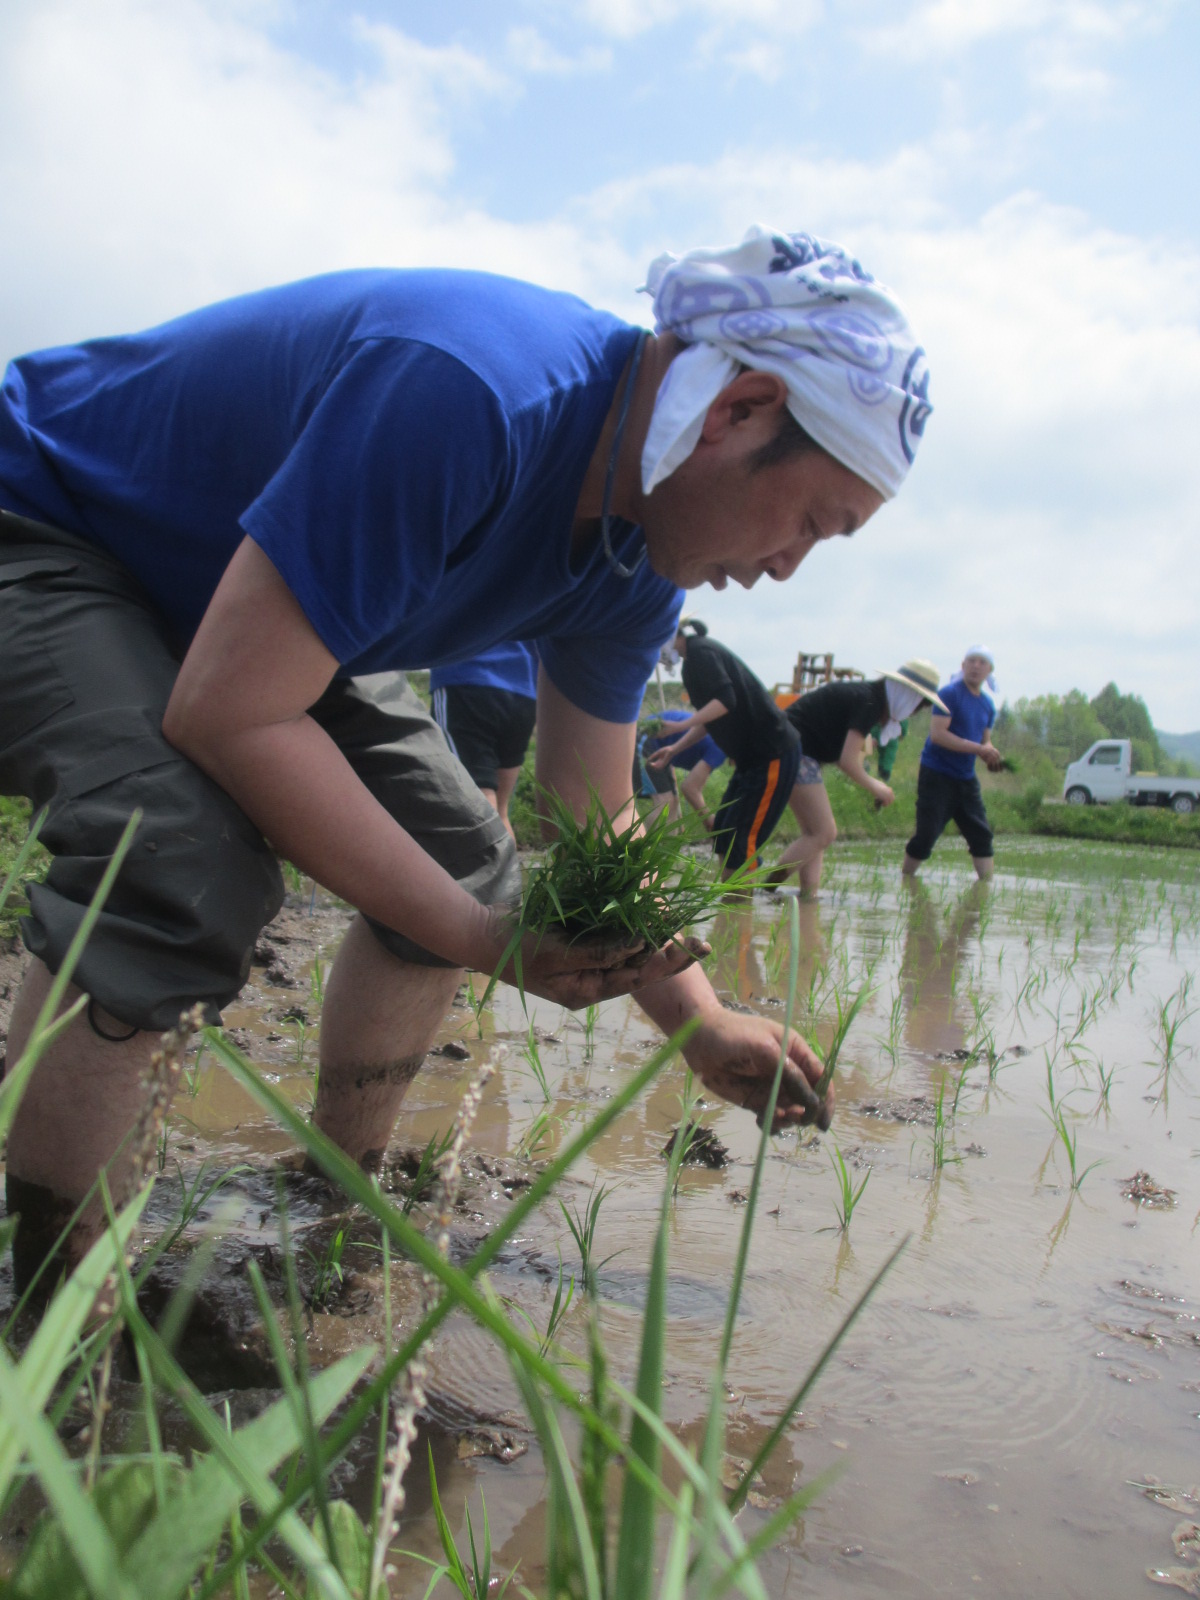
x=152, y=1524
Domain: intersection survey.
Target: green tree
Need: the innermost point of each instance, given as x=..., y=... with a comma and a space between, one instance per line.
x=1125, y=716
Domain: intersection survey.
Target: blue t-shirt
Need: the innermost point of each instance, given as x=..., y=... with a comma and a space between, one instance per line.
x=971, y=715
x=705, y=749
x=506, y=666
x=407, y=447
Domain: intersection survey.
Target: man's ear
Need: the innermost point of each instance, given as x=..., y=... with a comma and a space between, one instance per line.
x=754, y=397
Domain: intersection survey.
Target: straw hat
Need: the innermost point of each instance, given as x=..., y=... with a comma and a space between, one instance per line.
x=922, y=676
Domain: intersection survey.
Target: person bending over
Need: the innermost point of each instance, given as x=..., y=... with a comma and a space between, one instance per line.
x=487, y=706
x=697, y=764
x=833, y=722
x=736, y=711
x=208, y=530
x=947, y=788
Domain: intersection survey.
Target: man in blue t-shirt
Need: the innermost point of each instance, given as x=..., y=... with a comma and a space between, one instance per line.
x=209, y=529
x=487, y=707
x=947, y=788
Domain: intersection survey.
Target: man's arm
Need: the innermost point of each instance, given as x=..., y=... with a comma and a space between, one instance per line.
x=733, y=1055
x=851, y=763
x=239, y=711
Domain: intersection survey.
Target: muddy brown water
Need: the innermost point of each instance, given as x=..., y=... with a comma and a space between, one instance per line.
x=1004, y=1415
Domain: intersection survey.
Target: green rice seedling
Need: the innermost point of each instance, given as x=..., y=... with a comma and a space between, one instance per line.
x=1050, y=1090
x=564, y=1294
x=958, y=1087
x=1066, y=1137
x=1170, y=1016
x=420, y=1186
x=327, y=1270
x=891, y=1041
x=476, y=1004
x=845, y=1019
x=302, y=1031
x=1106, y=1083
x=191, y=1073
x=475, y=1580
x=196, y=1195
x=535, y=1141
x=589, y=1031
x=637, y=884
x=532, y=1057
x=293, y=877
x=316, y=984
x=849, y=1196
x=940, y=1125
x=583, y=1231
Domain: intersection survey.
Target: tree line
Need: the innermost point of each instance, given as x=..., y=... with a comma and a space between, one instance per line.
x=1054, y=730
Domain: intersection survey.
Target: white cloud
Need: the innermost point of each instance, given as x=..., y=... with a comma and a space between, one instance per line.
x=157, y=157
x=950, y=27
x=529, y=51
x=1056, y=503
x=625, y=19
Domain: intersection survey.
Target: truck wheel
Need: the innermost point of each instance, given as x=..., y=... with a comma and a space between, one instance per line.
x=1078, y=796
x=1183, y=804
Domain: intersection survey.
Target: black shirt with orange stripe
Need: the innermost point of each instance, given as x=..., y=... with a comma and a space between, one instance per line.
x=753, y=729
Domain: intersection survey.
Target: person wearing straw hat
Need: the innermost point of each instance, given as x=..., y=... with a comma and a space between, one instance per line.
x=947, y=788
x=209, y=529
x=833, y=722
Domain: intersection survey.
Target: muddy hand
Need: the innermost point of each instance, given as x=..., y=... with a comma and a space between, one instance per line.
x=736, y=1057
x=583, y=973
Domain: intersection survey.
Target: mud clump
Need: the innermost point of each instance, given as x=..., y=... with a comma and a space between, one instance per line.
x=703, y=1149
x=1143, y=1191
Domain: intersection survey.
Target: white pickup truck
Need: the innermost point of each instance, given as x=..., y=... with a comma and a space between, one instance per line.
x=1105, y=772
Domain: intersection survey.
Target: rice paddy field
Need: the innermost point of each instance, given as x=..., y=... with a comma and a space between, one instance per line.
x=1015, y=1412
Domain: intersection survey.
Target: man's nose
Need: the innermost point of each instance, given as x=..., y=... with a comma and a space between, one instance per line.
x=783, y=563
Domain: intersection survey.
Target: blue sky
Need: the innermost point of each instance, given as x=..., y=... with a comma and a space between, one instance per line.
x=1023, y=172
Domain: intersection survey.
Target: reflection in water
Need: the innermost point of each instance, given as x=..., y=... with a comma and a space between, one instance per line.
x=740, y=969
x=939, y=1015
x=976, y=1361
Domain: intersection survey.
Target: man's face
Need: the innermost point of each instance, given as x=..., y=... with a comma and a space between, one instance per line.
x=714, y=519
x=975, y=671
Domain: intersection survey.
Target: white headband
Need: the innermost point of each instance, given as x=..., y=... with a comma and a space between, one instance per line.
x=804, y=309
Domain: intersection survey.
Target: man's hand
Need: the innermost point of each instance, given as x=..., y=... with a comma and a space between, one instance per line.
x=884, y=796
x=992, y=758
x=589, y=970
x=735, y=1056
x=661, y=756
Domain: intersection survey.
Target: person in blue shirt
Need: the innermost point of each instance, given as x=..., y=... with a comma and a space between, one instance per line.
x=487, y=706
x=698, y=761
x=947, y=788
x=208, y=530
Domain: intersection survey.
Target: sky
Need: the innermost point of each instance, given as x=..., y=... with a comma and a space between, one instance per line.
x=1023, y=173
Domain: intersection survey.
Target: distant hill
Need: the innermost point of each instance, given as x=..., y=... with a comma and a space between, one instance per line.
x=1186, y=745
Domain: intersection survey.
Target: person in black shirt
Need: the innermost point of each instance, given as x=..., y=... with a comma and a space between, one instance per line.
x=833, y=723
x=736, y=709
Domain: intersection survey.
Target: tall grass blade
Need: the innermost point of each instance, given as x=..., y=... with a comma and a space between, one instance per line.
x=18, y=1073
x=166, y=1557
x=52, y=1346
x=738, y=1497
x=23, y=855
x=82, y=1525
